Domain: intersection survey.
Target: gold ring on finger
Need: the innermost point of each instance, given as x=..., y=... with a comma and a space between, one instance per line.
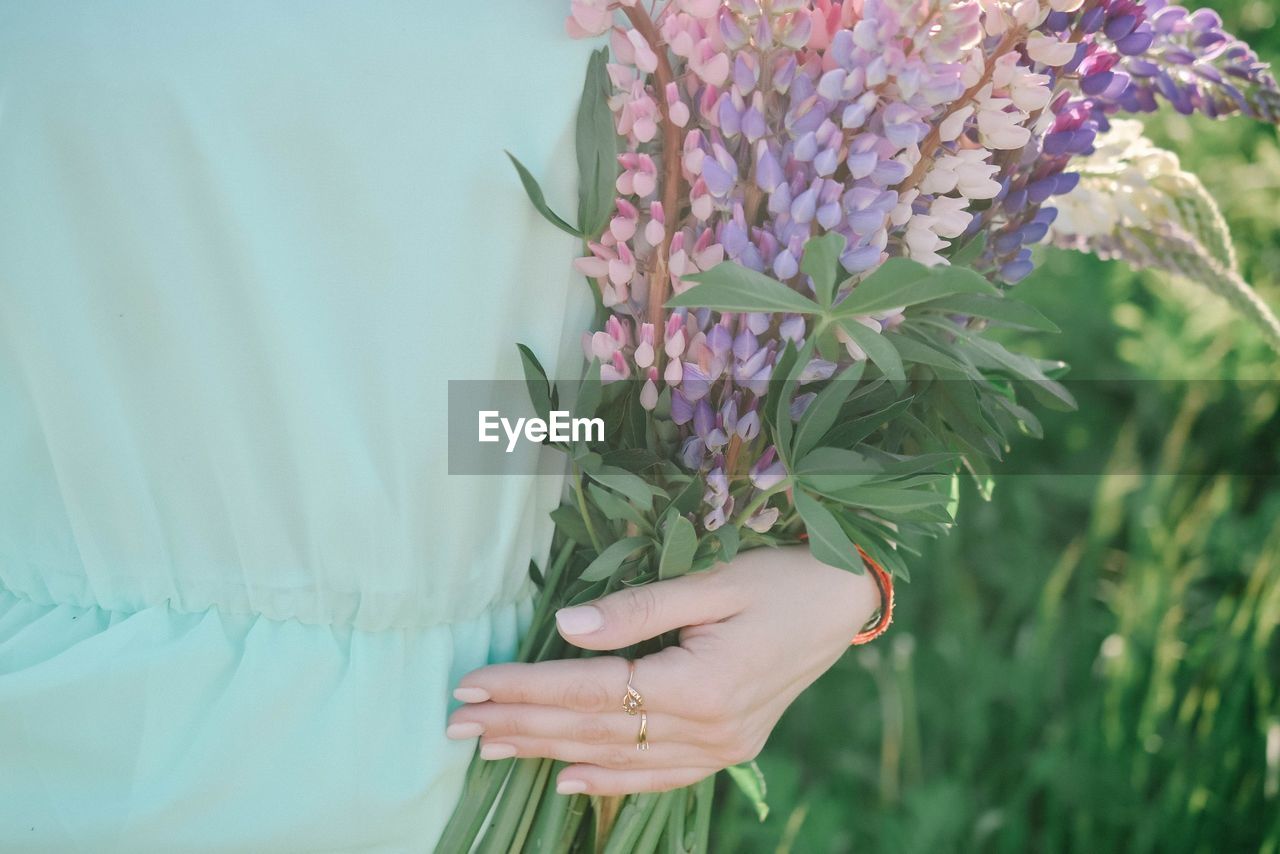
x=632, y=702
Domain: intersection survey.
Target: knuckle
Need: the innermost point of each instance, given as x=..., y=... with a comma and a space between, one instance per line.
x=740, y=752
x=512, y=724
x=592, y=731
x=717, y=706
x=616, y=757
x=585, y=695
x=748, y=749
x=640, y=605
x=723, y=734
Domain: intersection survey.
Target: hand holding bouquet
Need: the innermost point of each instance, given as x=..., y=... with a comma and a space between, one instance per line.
x=802, y=220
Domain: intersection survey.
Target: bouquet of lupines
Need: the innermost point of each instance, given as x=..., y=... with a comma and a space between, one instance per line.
x=801, y=219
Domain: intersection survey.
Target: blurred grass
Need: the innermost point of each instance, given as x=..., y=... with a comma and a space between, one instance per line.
x=1090, y=662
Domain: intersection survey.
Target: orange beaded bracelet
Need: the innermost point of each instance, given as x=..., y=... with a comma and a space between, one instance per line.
x=884, y=582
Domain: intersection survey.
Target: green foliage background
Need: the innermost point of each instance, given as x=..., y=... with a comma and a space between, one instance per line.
x=1090, y=662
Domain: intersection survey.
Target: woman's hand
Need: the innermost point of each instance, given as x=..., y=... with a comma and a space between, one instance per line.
x=754, y=633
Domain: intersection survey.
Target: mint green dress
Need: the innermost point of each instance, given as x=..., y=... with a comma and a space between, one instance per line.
x=243, y=248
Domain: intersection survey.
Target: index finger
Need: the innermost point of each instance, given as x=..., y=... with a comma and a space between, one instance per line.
x=596, y=684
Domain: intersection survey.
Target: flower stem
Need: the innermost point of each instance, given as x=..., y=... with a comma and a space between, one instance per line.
x=508, y=817
x=484, y=781
x=672, y=142
x=582, y=508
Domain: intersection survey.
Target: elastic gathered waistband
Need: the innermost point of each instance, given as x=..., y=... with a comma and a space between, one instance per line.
x=358, y=610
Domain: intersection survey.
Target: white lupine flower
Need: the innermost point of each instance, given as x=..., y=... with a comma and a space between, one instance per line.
x=974, y=67
x=973, y=174
x=939, y=179
x=855, y=352
x=1000, y=129
x=995, y=19
x=1065, y=5
x=1031, y=94
x=1049, y=50
x=953, y=125
x=1029, y=13
x=1119, y=190
x=902, y=212
x=951, y=216
x=923, y=243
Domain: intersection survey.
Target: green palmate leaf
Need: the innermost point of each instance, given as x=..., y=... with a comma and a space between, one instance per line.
x=688, y=498
x=903, y=282
x=888, y=497
x=677, y=548
x=587, y=460
x=954, y=409
x=966, y=255
x=729, y=539
x=634, y=487
x=773, y=400
x=569, y=522
x=1004, y=310
x=989, y=354
x=878, y=349
x=539, y=200
x=821, y=262
x=597, y=149
x=827, y=540
x=878, y=544
x=590, y=392
x=822, y=461
x=824, y=410
x=750, y=781
x=913, y=350
x=850, y=433
x=608, y=561
x=535, y=378
x=615, y=507
x=731, y=287
x=1135, y=203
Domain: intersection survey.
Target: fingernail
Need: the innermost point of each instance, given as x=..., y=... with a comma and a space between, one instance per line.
x=497, y=751
x=466, y=729
x=581, y=620
x=471, y=695
x=571, y=787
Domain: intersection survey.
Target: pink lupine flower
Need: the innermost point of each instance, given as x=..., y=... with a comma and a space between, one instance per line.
x=614, y=370
x=623, y=226
x=595, y=265
x=700, y=8
x=649, y=392
x=644, y=349
x=673, y=373
x=673, y=338
x=677, y=109
x=603, y=346
x=589, y=18
x=623, y=268
x=639, y=176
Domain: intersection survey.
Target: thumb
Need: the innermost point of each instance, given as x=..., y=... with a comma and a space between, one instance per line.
x=639, y=613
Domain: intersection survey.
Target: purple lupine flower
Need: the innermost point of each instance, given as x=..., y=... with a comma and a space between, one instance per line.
x=768, y=471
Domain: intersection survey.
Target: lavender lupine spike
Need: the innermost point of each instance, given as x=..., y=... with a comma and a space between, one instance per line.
x=904, y=126
x=1188, y=60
